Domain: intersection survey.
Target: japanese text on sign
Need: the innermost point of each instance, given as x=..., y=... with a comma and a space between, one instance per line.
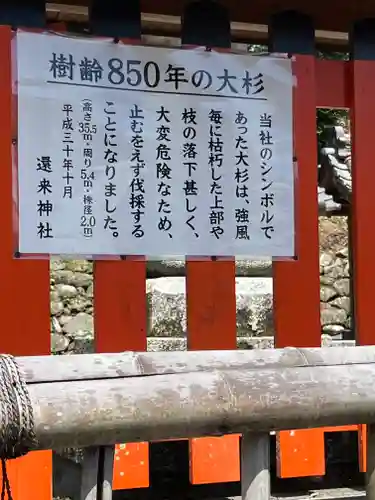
x=127, y=150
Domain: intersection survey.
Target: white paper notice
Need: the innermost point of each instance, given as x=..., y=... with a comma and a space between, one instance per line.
x=134, y=150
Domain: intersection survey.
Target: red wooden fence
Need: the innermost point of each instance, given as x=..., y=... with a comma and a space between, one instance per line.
x=120, y=294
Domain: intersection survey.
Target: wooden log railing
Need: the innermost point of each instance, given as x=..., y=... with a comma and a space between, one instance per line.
x=97, y=400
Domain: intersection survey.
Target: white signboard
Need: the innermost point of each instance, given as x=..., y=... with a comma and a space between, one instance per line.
x=133, y=150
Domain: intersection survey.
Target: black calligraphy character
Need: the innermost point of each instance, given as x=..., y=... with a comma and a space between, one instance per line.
x=266, y=153
x=215, y=131
x=242, y=216
x=111, y=224
x=67, y=164
x=247, y=82
x=107, y=209
x=87, y=152
x=138, y=231
x=110, y=172
x=216, y=116
x=164, y=207
x=67, y=124
x=253, y=85
x=213, y=177
x=266, y=169
x=110, y=190
x=137, y=214
x=68, y=192
x=267, y=200
x=87, y=210
x=226, y=82
x=267, y=231
x=242, y=233
x=215, y=145
x=189, y=223
x=91, y=70
x=265, y=138
x=137, y=185
x=241, y=143
x=137, y=168
x=108, y=138
x=216, y=217
x=265, y=120
x=201, y=79
x=136, y=113
x=67, y=177
x=87, y=199
x=188, y=208
x=136, y=157
x=137, y=141
x=67, y=109
x=67, y=138
x=189, y=150
x=163, y=114
x=162, y=152
x=267, y=217
x=240, y=119
x=176, y=75
x=110, y=126
x=217, y=231
x=192, y=167
x=136, y=127
x=258, y=83
x=164, y=189
x=44, y=230
x=44, y=208
x=163, y=171
x=190, y=187
x=241, y=158
x=165, y=225
x=189, y=116
x=216, y=159
x=44, y=164
x=62, y=66
x=109, y=104
x=267, y=186
x=163, y=133
x=110, y=156
x=242, y=192
x=218, y=203
x=189, y=133
x=45, y=186
x=137, y=201
x=241, y=175
x=87, y=106
x=216, y=188
x=67, y=150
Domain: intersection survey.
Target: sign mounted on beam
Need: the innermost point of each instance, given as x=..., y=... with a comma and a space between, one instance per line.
x=134, y=150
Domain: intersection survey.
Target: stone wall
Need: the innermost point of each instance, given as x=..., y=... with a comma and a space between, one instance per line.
x=335, y=302
x=72, y=305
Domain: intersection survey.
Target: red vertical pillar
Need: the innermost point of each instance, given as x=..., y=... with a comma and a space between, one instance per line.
x=296, y=283
x=25, y=323
x=362, y=42
x=120, y=286
x=210, y=284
